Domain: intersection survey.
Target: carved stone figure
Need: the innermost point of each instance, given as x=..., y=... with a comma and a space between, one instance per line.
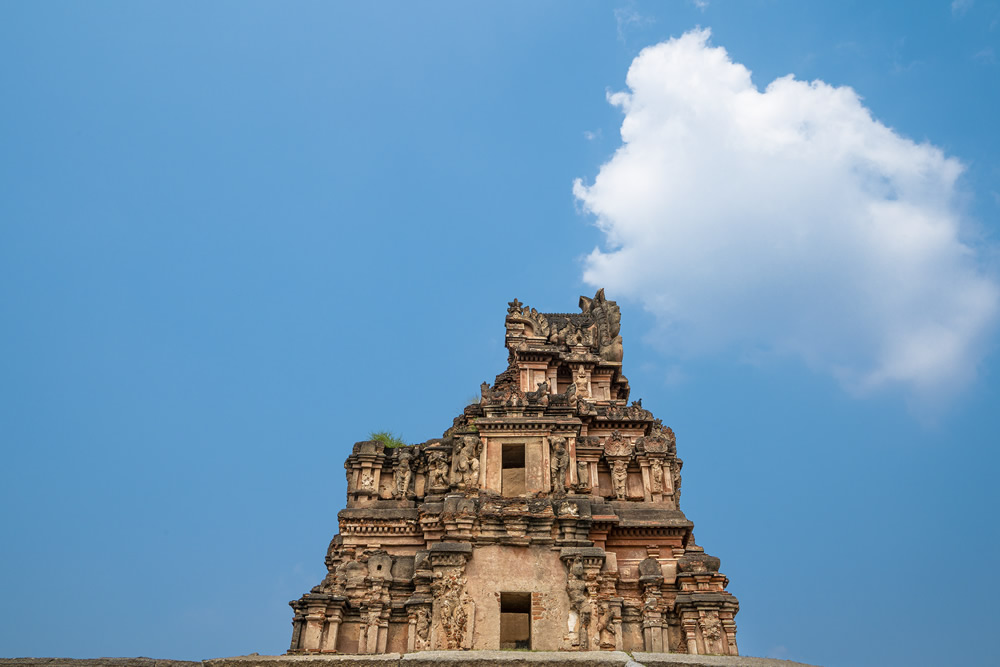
x=452, y=605
x=403, y=473
x=579, y=604
x=423, y=627
x=607, y=317
x=558, y=464
x=583, y=475
x=540, y=396
x=582, y=382
x=656, y=473
x=605, y=627
x=438, y=469
x=619, y=477
x=568, y=509
x=617, y=445
x=467, y=462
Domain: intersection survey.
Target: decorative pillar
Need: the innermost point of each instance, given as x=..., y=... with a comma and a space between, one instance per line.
x=334, y=615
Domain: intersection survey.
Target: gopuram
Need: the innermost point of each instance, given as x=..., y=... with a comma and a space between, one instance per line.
x=547, y=517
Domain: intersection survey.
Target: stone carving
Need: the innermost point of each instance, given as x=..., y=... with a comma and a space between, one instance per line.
x=711, y=627
x=619, y=477
x=423, y=628
x=634, y=412
x=568, y=509
x=575, y=336
x=582, y=381
x=506, y=391
x=540, y=396
x=533, y=322
x=579, y=604
x=453, y=611
x=403, y=472
x=659, y=441
x=617, y=445
x=466, y=459
x=367, y=480
x=656, y=475
x=558, y=463
x=605, y=627
x=582, y=475
x=608, y=318
x=438, y=465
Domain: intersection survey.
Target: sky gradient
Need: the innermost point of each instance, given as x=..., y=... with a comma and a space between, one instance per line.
x=236, y=237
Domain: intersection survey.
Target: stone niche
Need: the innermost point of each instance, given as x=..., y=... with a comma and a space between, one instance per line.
x=547, y=517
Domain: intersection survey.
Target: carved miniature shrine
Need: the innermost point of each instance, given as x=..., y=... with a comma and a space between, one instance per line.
x=547, y=517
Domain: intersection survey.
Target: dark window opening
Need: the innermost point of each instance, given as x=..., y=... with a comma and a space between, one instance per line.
x=515, y=620
x=512, y=473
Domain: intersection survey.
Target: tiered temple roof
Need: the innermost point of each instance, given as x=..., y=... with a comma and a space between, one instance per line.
x=546, y=517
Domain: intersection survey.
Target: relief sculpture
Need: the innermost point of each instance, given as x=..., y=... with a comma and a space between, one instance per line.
x=558, y=464
x=579, y=604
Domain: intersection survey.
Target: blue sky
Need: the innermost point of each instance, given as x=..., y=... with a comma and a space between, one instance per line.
x=237, y=237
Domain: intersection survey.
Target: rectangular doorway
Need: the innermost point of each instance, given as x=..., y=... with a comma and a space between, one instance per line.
x=515, y=620
x=512, y=470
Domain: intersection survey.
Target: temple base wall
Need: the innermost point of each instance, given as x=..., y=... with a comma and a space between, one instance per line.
x=500, y=569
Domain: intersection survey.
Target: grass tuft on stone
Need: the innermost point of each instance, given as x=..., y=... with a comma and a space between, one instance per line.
x=387, y=438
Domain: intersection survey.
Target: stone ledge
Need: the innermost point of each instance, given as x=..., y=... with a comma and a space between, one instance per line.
x=429, y=659
x=684, y=659
x=504, y=659
x=95, y=662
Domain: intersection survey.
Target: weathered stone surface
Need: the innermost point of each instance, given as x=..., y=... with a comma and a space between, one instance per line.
x=506, y=659
x=547, y=516
x=427, y=659
x=95, y=662
x=683, y=660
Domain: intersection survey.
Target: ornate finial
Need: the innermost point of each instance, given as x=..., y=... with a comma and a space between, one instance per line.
x=514, y=307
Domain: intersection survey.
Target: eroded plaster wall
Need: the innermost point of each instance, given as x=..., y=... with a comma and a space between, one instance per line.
x=495, y=569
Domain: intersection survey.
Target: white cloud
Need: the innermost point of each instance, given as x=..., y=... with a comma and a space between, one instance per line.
x=959, y=7
x=628, y=17
x=786, y=221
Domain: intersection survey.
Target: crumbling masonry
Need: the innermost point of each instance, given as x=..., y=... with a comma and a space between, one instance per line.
x=547, y=517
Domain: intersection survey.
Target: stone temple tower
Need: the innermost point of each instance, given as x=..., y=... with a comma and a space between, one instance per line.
x=547, y=517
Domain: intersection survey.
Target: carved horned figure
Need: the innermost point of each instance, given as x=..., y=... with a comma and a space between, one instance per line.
x=608, y=318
